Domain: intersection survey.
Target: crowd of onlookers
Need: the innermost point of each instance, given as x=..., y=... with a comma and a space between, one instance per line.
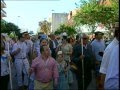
x=55, y=62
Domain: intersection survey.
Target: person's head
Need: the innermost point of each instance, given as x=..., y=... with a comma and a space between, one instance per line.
x=70, y=40
x=85, y=38
x=64, y=39
x=59, y=56
x=14, y=39
x=26, y=35
x=99, y=35
x=43, y=42
x=52, y=36
x=78, y=39
x=21, y=37
x=45, y=50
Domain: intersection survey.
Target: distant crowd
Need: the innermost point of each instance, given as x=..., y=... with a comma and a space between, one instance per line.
x=60, y=62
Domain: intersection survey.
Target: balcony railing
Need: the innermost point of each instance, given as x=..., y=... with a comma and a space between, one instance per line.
x=3, y=13
x=3, y=4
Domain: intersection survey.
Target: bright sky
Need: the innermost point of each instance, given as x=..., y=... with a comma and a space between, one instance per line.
x=27, y=13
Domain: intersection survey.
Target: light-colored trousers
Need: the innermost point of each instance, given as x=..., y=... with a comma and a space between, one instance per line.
x=43, y=86
x=22, y=65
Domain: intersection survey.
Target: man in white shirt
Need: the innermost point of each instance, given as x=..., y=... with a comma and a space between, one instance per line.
x=106, y=56
x=21, y=62
x=112, y=74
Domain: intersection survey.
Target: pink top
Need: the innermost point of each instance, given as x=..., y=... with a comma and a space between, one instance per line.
x=45, y=71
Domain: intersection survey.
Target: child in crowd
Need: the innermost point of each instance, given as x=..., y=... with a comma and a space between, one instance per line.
x=4, y=77
x=65, y=76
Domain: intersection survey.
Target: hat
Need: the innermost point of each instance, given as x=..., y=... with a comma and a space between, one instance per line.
x=64, y=34
x=59, y=52
x=98, y=32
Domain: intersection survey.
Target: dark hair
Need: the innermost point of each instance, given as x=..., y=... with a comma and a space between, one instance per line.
x=2, y=46
x=25, y=32
x=116, y=33
x=43, y=39
x=39, y=37
x=65, y=37
x=20, y=36
x=97, y=33
x=68, y=40
x=77, y=37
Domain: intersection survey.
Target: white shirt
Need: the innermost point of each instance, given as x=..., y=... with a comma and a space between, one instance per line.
x=54, y=45
x=23, y=51
x=29, y=44
x=112, y=75
x=106, y=56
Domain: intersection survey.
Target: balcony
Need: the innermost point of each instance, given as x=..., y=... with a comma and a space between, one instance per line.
x=3, y=4
x=3, y=13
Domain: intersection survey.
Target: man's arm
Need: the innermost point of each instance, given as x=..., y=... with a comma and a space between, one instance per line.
x=55, y=74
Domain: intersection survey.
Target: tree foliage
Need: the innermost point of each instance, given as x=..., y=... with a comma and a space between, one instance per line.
x=70, y=30
x=91, y=12
x=8, y=27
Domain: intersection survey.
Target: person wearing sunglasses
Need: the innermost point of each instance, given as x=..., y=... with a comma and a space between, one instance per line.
x=87, y=58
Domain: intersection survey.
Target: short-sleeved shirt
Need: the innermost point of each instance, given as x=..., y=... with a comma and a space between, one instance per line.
x=112, y=75
x=106, y=56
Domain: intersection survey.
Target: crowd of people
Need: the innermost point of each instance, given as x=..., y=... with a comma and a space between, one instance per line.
x=55, y=63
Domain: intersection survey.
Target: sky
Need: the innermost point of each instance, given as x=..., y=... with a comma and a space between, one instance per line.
x=27, y=13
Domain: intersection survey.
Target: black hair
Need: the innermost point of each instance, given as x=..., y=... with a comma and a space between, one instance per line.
x=39, y=37
x=97, y=33
x=43, y=39
x=20, y=36
x=116, y=33
x=77, y=37
x=68, y=40
x=65, y=37
x=25, y=32
x=2, y=46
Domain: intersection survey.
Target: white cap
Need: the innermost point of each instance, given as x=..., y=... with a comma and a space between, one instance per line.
x=59, y=52
x=64, y=34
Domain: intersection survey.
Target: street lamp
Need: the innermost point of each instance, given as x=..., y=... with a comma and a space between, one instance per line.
x=18, y=20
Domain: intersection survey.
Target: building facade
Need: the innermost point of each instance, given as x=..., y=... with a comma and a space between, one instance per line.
x=58, y=19
x=3, y=5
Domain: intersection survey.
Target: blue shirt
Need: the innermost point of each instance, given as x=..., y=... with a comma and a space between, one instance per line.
x=106, y=56
x=112, y=75
x=98, y=46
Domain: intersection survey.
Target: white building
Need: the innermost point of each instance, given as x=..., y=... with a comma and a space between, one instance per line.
x=58, y=19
